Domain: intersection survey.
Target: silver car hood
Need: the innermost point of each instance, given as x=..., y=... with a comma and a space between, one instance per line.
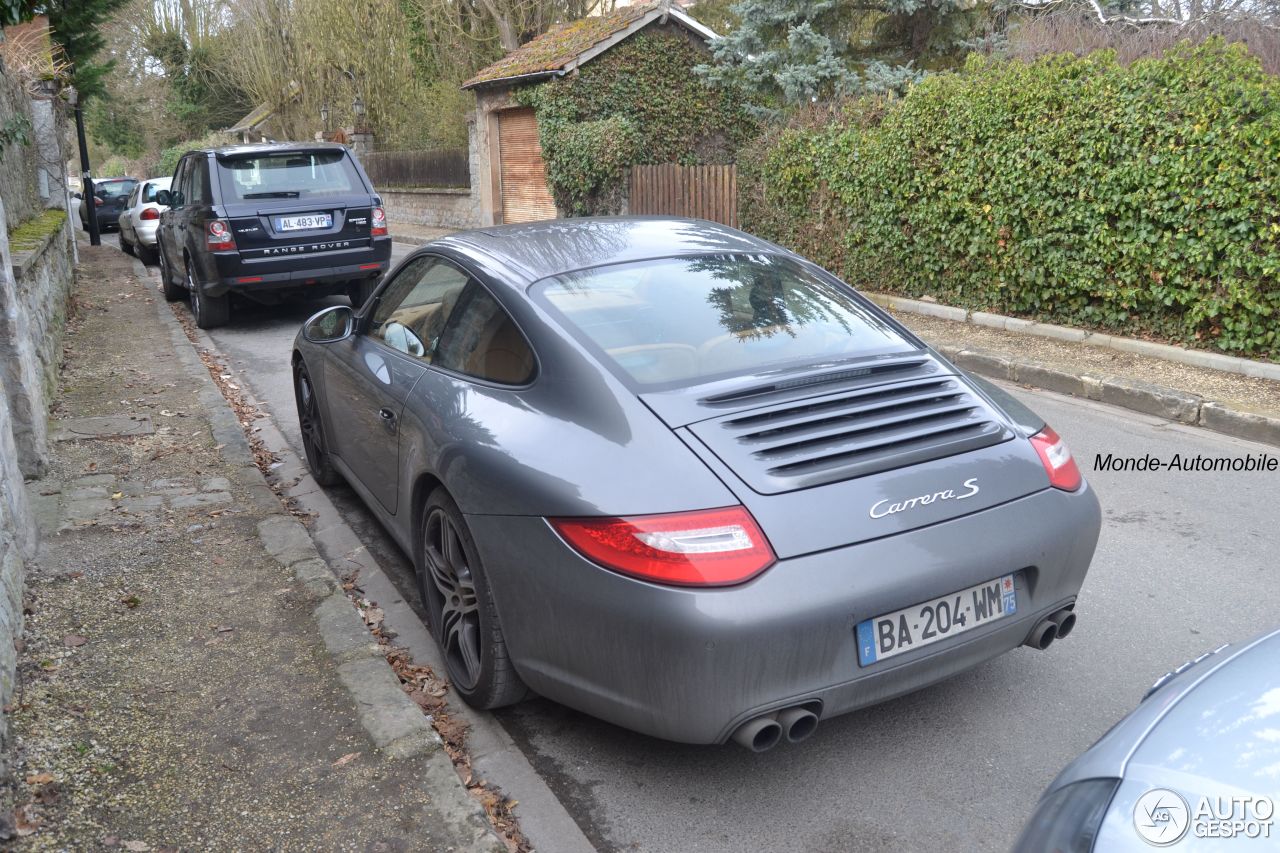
x=1223, y=734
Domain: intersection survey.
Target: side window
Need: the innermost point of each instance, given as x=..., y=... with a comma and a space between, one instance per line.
x=413, y=308
x=198, y=181
x=482, y=340
x=177, y=186
x=133, y=198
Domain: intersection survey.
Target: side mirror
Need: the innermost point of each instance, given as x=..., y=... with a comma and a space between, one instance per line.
x=330, y=325
x=164, y=197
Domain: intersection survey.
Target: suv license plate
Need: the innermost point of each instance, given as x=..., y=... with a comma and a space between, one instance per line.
x=927, y=623
x=303, y=223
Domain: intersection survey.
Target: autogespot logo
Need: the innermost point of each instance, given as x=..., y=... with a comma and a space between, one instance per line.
x=1161, y=817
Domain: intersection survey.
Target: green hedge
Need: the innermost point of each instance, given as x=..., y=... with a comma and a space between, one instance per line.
x=1141, y=199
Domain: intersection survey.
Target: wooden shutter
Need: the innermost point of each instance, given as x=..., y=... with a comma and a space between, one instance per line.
x=522, y=171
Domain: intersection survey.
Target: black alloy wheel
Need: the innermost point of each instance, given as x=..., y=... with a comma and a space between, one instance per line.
x=461, y=612
x=314, y=445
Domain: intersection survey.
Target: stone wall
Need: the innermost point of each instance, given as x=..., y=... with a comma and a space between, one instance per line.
x=35, y=290
x=442, y=207
x=433, y=208
x=18, y=182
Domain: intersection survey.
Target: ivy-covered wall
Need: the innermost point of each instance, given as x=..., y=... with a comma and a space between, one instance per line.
x=637, y=103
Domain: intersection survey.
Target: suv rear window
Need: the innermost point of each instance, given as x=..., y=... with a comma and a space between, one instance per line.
x=679, y=321
x=289, y=174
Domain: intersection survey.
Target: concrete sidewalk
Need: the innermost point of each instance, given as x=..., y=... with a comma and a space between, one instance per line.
x=190, y=679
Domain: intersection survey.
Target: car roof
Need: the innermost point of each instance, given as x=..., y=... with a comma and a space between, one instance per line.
x=270, y=147
x=536, y=250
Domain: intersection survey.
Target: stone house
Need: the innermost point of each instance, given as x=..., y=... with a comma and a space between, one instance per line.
x=508, y=174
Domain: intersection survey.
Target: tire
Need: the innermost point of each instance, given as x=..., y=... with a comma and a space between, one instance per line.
x=314, y=442
x=460, y=609
x=146, y=254
x=171, y=291
x=360, y=291
x=126, y=246
x=210, y=311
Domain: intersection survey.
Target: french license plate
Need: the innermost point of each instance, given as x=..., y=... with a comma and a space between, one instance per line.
x=303, y=223
x=932, y=621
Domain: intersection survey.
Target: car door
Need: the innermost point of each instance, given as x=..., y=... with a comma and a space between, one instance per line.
x=171, y=226
x=126, y=219
x=368, y=376
x=199, y=210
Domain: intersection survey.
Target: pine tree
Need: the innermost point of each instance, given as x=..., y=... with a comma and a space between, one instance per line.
x=792, y=51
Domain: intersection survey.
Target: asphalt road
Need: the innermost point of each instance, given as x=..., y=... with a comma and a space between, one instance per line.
x=1183, y=566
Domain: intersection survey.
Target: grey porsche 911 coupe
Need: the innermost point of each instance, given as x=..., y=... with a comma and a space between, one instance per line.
x=686, y=481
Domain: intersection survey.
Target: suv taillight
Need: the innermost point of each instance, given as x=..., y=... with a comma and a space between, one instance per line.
x=713, y=547
x=1057, y=459
x=219, y=236
x=149, y=213
x=378, y=223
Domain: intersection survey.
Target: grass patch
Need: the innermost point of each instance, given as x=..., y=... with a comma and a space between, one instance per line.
x=32, y=233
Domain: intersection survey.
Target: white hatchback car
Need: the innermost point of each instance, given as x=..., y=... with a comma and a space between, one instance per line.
x=140, y=217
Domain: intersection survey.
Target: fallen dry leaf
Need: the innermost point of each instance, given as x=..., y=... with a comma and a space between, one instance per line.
x=117, y=496
x=137, y=846
x=71, y=641
x=40, y=778
x=346, y=759
x=25, y=820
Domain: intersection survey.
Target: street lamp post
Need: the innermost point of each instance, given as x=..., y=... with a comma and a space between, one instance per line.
x=357, y=109
x=324, y=116
x=86, y=182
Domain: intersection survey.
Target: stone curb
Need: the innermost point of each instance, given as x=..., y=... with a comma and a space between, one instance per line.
x=393, y=721
x=1159, y=400
x=1193, y=358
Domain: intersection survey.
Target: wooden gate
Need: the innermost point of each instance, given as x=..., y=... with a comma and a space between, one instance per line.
x=701, y=192
x=522, y=172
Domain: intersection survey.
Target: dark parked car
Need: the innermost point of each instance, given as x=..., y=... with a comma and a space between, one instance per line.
x=109, y=197
x=270, y=221
x=684, y=480
x=1198, y=760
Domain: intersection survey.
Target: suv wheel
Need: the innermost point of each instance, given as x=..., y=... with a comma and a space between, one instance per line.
x=210, y=311
x=171, y=291
x=360, y=291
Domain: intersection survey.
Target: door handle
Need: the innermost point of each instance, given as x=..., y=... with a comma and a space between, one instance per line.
x=388, y=418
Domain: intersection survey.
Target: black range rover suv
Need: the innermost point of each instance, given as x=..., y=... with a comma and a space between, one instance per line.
x=269, y=221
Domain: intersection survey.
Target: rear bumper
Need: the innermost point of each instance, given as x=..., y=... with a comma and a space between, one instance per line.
x=692, y=665
x=145, y=231
x=237, y=275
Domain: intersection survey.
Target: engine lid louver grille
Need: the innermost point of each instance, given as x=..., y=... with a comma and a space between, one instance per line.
x=839, y=436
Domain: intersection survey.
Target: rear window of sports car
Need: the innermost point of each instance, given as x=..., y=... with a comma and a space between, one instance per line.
x=681, y=321
x=291, y=174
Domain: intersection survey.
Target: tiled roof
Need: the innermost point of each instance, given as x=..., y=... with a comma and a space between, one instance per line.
x=557, y=48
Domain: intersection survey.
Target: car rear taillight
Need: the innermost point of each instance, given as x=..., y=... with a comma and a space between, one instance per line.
x=1058, y=463
x=219, y=236
x=97, y=202
x=714, y=547
x=149, y=213
x=378, y=223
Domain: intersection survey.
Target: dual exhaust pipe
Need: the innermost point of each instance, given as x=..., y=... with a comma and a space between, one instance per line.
x=1055, y=626
x=799, y=722
x=767, y=731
